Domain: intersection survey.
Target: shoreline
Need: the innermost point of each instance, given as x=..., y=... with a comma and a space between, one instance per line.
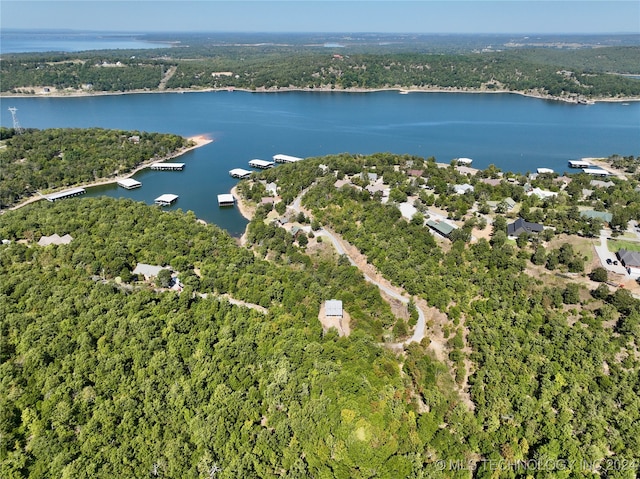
x=245, y=210
x=199, y=140
x=400, y=90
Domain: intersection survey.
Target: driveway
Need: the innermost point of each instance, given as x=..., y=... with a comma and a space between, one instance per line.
x=603, y=253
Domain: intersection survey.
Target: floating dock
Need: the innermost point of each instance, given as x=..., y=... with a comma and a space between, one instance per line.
x=166, y=199
x=579, y=164
x=129, y=183
x=65, y=194
x=226, y=199
x=285, y=159
x=264, y=164
x=168, y=166
x=240, y=173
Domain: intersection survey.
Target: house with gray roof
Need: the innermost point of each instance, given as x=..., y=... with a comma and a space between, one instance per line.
x=521, y=226
x=630, y=260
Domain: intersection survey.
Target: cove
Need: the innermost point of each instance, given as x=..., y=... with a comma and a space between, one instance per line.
x=514, y=132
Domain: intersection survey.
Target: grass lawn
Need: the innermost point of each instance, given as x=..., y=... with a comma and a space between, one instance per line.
x=581, y=246
x=616, y=245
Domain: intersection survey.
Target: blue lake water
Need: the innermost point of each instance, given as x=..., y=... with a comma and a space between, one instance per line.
x=513, y=132
x=42, y=41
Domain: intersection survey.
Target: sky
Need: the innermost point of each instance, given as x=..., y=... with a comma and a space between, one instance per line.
x=410, y=16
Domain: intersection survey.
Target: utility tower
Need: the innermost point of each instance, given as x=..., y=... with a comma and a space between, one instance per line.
x=16, y=124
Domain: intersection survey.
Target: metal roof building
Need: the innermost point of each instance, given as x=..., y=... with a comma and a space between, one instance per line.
x=285, y=158
x=333, y=307
x=129, y=183
x=66, y=194
x=441, y=227
x=166, y=199
x=264, y=164
x=240, y=173
x=226, y=199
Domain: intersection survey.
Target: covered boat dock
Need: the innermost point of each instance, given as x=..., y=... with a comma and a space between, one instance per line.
x=240, y=173
x=168, y=166
x=286, y=159
x=226, y=199
x=166, y=199
x=65, y=194
x=129, y=183
x=263, y=164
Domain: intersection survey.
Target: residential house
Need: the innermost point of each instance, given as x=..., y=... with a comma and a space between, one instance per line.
x=521, y=226
x=630, y=260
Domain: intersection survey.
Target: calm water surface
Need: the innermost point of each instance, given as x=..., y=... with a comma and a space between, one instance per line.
x=513, y=132
x=42, y=41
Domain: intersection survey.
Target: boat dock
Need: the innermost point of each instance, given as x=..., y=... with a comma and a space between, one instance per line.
x=263, y=164
x=240, y=173
x=129, y=183
x=65, y=194
x=285, y=159
x=579, y=164
x=168, y=166
x=596, y=172
x=166, y=199
x=226, y=199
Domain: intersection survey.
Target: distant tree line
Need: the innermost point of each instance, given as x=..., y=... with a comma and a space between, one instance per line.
x=540, y=71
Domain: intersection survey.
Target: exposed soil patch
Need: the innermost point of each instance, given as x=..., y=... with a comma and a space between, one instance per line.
x=342, y=325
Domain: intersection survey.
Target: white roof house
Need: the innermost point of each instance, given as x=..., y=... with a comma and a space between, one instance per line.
x=542, y=193
x=54, y=239
x=462, y=189
x=147, y=270
x=272, y=188
x=333, y=307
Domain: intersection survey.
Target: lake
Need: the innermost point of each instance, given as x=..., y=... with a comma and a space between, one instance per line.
x=27, y=41
x=513, y=132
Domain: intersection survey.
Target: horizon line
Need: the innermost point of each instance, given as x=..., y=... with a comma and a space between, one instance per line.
x=337, y=32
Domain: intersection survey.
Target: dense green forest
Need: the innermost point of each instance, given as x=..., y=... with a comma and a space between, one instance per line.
x=555, y=366
x=106, y=375
x=44, y=160
x=213, y=63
